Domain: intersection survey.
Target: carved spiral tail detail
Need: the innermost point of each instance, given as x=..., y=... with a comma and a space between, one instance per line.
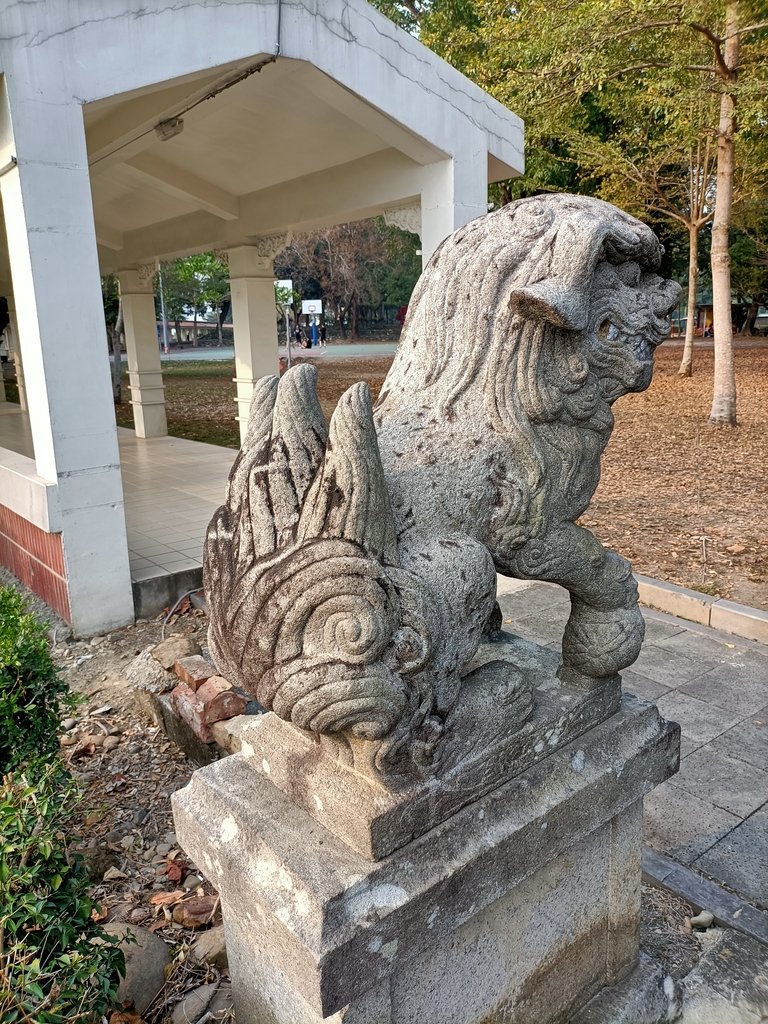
x=310, y=610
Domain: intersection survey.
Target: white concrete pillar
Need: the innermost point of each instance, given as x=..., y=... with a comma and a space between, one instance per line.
x=254, y=316
x=453, y=193
x=9, y=354
x=18, y=363
x=55, y=273
x=144, y=371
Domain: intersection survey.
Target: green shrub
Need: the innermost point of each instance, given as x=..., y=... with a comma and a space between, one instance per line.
x=51, y=970
x=56, y=964
x=33, y=698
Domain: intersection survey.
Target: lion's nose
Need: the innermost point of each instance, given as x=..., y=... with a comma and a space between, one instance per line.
x=665, y=298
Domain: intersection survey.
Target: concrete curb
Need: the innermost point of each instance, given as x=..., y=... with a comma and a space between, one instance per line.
x=738, y=619
x=728, y=910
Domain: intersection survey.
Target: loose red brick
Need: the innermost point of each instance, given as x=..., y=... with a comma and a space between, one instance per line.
x=189, y=707
x=194, y=670
x=220, y=699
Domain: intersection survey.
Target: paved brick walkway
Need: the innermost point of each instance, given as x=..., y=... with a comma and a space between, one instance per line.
x=713, y=815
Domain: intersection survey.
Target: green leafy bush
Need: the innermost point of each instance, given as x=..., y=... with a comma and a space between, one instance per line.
x=56, y=964
x=33, y=699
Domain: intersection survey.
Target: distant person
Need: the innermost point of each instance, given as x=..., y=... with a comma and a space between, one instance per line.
x=5, y=344
x=298, y=336
x=322, y=334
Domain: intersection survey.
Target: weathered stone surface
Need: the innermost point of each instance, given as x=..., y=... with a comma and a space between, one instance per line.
x=350, y=573
x=376, y=821
x=173, y=649
x=194, y=670
x=146, y=957
x=647, y=996
x=228, y=733
x=338, y=924
x=148, y=679
x=729, y=985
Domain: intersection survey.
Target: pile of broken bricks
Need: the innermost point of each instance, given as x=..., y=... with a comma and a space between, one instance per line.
x=180, y=690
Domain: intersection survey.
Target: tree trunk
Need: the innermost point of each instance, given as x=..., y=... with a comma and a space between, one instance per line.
x=117, y=356
x=353, y=313
x=724, y=396
x=340, y=320
x=749, y=323
x=194, y=329
x=219, y=330
x=686, y=366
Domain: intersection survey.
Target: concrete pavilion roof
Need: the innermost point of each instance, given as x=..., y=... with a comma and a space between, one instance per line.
x=340, y=126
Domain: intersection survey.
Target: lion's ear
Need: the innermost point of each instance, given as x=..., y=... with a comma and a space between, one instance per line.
x=558, y=305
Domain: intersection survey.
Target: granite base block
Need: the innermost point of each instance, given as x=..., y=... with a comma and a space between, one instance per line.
x=519, y=907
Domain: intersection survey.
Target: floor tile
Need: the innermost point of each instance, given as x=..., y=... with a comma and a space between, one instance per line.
x=668, y=668
x=729, y=690
x=708, y=647
x=747, y=741
x=740, y=859
x=641, y=686
x=695, y=717
x=732, y=785
x=684, y=826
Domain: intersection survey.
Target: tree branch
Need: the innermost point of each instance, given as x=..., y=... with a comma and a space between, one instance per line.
x=717, y=44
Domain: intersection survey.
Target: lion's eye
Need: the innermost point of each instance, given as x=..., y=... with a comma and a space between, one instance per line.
x=604, y=330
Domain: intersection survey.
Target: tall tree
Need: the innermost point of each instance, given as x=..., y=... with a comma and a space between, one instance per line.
x=343, y=265
x=552, y=62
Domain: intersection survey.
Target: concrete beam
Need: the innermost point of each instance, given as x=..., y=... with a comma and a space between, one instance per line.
x=352, y=191
x=126, y=130
x=373, y=120
x=108, y=237
x=183, y=184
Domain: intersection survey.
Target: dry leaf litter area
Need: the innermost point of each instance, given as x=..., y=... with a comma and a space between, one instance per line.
x=143, y=883
x=683, y=501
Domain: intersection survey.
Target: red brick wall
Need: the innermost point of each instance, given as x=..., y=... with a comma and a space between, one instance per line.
x=36, y=558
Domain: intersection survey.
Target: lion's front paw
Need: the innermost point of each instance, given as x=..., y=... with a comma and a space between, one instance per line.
x=598, y=643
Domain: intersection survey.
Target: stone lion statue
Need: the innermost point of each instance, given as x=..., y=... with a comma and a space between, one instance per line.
x=351, y=571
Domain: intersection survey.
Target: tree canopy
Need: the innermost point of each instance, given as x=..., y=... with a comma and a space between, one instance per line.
x=657, y=106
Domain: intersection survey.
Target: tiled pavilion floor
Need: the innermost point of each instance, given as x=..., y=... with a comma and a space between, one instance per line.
x=171, y=488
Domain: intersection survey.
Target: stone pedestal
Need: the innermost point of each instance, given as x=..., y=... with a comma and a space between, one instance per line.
x=516, y=900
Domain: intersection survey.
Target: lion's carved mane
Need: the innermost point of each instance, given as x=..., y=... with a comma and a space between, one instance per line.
x=527, y=326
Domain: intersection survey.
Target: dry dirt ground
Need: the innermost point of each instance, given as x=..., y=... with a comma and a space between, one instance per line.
x=683, y=501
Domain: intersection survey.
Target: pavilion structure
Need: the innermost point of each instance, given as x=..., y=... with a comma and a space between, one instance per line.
x=139, y=130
